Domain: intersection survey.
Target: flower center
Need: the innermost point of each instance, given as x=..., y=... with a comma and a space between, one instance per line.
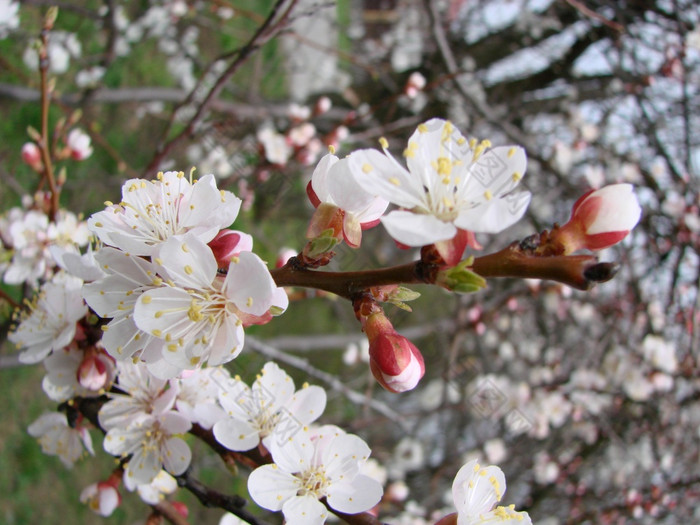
x=314, y=482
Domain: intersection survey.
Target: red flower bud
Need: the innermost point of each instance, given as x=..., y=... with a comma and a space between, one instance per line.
x=229, y=243
x=395, y=362
x=600, y=219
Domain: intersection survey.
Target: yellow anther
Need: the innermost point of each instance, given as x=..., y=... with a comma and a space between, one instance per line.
x=188, y=269
x=422, y=128
x=383, y=142
x=366, y=168
x=444, y=166
x=516, y=176
x=331, y=149
x=488, y=195
x=146, y=299
x=395, y=181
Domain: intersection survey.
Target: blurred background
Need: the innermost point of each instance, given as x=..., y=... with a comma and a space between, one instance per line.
x=589, y=402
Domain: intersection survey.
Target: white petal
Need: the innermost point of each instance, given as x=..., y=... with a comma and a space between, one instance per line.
x=236, y=435
x=188, y=261
x=307, y=404
x=415, y=229
x=176, y=456
x=270, y=487
x=274, y=387
x=476, y=489
x=360, y=495
x=379, y=175
x=349, y=195
x=320, y=177
x=304, y=510
x=495, y=215
x=249, y=284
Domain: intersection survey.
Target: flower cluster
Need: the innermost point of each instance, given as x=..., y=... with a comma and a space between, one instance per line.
x=172, y=298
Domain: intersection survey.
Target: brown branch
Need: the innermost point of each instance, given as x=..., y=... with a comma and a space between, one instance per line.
x=261, y=36
x=45, y=103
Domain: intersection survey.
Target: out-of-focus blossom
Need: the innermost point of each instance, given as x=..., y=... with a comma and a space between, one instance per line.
x=90, y=77
x=9, y=17
x=277, y=150
x=153, y=492
x=58, y=438
x=310, y=466
x=414, y=85
x=101, y=497
x=50, y=324
x=268, y=411
x=600, y=219
x=79, y=144
x=451, y=184
x=31, y=155
x=30, y=236
x=660, y=353
x=62, y=47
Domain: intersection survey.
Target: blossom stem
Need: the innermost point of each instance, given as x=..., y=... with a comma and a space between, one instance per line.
x=578, y=271
x=45, y=102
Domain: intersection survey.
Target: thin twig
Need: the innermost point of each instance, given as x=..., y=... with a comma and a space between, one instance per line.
x=261, y=36
x=331, y=380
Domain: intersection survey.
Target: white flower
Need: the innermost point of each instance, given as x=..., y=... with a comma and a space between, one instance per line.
x=198, y=394
x=155, y=491
x=268, y=411
x=32, y=236
x=51, y=322
x=62, y=47
x=200, y=314
x=476, y=490
x=102, y=498
x=9, y=17
x=57, y=438
x=332, y=183
x=152, y=442
x=153, y=211
x=660, y=353
x=78, y=143
x=450, y=184
x=144, y=394
x=277, y=151
x=310, y=466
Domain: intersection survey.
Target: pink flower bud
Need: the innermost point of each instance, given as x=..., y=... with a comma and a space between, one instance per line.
x=31, y=154
x=181, y=508
x=93, y=373
x=229, y=243
x=395, y=362
x=102, y=497
x=600, y=219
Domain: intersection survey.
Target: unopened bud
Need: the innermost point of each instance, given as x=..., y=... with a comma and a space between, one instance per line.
x=31, y=155
x=395, y=362
x=600, y=219
x=229, y=243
